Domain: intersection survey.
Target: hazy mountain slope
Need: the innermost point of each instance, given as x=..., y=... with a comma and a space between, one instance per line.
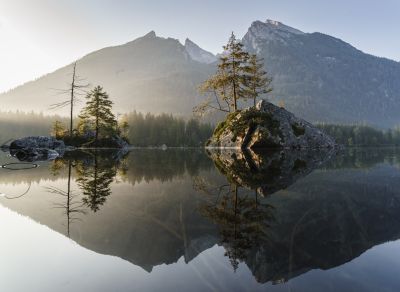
x=198, y=54
x=322, y=78
x=148, y=74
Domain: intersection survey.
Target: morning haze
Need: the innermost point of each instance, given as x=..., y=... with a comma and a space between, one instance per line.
x=199, y=146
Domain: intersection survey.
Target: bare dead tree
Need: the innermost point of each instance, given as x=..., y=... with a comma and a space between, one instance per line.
x=72, y=208
x=76, y=88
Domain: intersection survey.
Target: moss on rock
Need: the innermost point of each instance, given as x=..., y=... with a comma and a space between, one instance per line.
x=298, y=129
x=238, y=122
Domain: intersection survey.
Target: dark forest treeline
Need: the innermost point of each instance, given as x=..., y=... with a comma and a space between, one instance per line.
x=144, y=130
x=156, y=130
x=362, y=135
x=19, y=124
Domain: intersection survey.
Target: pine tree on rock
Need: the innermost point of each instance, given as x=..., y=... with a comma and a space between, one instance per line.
x=257, y=81
x=233, y=63
x=97, y=112
x=228, y=85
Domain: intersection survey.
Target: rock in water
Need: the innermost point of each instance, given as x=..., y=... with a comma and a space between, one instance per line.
x=268, y=126
x=37, y=148
x=35, y=142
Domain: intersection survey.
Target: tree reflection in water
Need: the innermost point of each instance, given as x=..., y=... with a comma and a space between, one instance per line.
x=95, y=171
x=72, y=206
x=242, y=219
x=94, y=180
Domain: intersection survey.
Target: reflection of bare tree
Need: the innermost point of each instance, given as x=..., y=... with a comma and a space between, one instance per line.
x=72, y=208
x=243, y=220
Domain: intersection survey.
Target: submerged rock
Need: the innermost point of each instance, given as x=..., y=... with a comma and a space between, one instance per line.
x=268, y=126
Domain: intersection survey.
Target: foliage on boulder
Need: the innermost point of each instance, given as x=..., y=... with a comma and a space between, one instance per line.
x=267, y=126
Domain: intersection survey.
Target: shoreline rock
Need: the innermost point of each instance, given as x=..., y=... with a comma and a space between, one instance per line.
x=36, y=148
x=37, y=142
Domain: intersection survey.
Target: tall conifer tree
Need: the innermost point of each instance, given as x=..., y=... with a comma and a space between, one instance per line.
x=257, y=81
x=98, y=112
x=227, y=86
x=232, y=63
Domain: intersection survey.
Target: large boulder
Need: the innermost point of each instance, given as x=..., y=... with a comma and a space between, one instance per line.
x=37, y=148
x=268, y=126
x=36, y=142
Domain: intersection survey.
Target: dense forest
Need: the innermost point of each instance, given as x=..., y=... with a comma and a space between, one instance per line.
x=156, y=130
x=362, y=135
x=144, y=130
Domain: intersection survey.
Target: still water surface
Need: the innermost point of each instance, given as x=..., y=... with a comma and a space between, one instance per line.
x=178, y=220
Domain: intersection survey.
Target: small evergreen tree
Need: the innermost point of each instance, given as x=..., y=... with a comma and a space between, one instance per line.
x=98, y=112
x=58, y=130
x=124, y=127
x=232, y=63
x=257, y=81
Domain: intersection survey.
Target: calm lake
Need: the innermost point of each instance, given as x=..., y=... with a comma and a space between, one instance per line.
x=187, y=220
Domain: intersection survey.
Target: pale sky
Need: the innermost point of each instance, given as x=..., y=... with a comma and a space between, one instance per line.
x=39, y=36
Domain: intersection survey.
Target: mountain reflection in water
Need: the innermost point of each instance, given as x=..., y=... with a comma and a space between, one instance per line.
x=280, y=213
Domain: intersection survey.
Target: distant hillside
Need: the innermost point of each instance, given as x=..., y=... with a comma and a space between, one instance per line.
x=148, y=74
x=320, y=78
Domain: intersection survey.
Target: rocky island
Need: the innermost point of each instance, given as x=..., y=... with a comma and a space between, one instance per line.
x=268, y=126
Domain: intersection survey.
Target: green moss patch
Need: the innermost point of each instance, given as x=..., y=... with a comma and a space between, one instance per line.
x=239, y=122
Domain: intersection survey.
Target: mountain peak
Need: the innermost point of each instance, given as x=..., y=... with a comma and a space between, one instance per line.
x=151, y=34
x=272, y=29
x=198, y=54
x=273, y=24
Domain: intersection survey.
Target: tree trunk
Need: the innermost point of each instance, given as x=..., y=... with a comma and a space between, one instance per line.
x=72, y=102
x=97, y=120
x=234, y=85
x=69, y=197
x=97, y=129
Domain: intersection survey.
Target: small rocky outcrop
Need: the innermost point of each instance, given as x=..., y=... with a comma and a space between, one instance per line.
x=37, y=142
x=36, y=148
x=268, y=126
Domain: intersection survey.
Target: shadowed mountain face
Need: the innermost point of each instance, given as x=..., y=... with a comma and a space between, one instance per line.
x=279, y=216
x=320, y=78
